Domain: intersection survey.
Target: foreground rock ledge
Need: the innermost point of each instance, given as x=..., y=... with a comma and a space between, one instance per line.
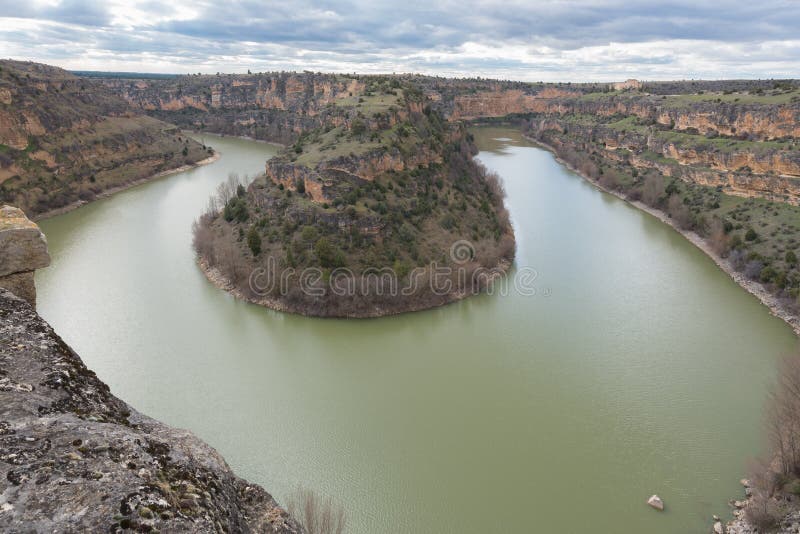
x=74, y=458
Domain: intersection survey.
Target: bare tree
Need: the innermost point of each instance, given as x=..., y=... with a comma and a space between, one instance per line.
x=653, y=189
x=317, y=515
x=679, y=212
x=717, y=238
x=203, y=239
x=782, y=463
x=227, y=189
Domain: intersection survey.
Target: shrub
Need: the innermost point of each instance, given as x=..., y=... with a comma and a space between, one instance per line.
x=254, y=241
x=236, y=209
x=751, y=235
x=316, y=515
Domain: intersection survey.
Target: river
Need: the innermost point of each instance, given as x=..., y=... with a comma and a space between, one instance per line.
x=638, y=367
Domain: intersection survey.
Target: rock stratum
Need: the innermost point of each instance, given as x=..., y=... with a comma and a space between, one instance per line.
x=66, y=140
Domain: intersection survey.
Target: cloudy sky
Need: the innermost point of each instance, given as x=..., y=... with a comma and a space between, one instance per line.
x=551, y=40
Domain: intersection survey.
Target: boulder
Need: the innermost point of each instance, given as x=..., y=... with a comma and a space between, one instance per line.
x=23, y=246
x=718, y=528
x=656, y=502
x=23, y=249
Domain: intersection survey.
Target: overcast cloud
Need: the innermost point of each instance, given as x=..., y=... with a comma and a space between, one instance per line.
x=569, y=40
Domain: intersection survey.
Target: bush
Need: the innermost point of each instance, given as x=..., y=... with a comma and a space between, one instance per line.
x=236, y=209
x=751, y=235
x=254, y=241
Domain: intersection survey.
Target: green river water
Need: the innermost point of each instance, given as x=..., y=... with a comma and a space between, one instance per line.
x=637, y=368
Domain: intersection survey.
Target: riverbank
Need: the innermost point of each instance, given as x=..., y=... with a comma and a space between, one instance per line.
x=119, y=188
x=220, y=281
x=775, y=305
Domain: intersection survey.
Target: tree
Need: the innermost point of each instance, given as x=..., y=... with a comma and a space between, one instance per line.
x=327, y=254
x=717, y=237
x=254, y=240
x=751, y=235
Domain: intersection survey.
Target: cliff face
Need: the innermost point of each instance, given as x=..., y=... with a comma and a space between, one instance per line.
x=64, y=139
x=274, y=106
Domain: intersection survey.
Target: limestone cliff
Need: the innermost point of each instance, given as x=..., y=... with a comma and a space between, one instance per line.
x=65, y=140
x=271, y=106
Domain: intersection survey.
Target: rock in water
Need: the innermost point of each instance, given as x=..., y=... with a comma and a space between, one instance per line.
x=656, y=502
x=718, y=528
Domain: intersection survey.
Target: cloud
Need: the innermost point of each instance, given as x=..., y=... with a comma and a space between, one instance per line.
x=548, y=40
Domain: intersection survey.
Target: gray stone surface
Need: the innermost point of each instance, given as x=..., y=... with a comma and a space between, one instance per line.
x=75, y=458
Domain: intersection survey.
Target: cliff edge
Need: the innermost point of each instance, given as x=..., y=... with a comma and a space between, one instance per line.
x=75, y=457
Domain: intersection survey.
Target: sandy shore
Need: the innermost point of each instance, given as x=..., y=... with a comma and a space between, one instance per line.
x=116, y=189
x=776, y=307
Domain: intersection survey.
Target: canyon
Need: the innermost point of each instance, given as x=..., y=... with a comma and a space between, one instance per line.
x=376, y=172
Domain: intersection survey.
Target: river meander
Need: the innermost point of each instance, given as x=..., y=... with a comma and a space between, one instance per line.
x=638, y=367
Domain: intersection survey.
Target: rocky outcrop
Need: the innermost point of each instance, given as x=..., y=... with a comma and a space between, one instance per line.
x=75, y=458
x=23, y=249
x=501, y=103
